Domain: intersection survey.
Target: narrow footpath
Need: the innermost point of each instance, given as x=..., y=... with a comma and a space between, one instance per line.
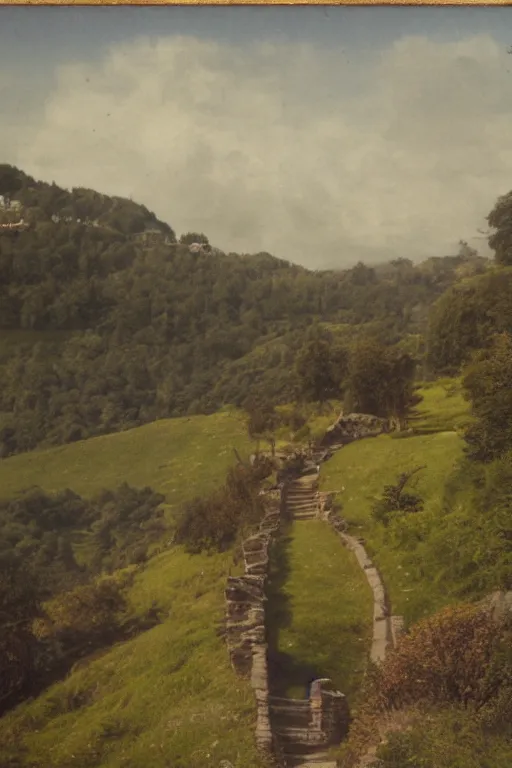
x=297, y=737
x=305, y=729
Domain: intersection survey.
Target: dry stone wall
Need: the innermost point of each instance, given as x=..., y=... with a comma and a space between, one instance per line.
x=354, y=426
x=386, y=628
x=245, y=617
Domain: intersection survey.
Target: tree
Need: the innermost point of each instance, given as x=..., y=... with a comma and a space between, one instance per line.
x=500, y=219
x=487, y=382
x=261, y=422
x=320, y=368
x=19, y=606
x=394, y=498
x=194, y=237
x=466, y=317
x=380, y=380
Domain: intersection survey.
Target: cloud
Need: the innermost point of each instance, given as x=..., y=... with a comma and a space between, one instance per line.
x=316, y=157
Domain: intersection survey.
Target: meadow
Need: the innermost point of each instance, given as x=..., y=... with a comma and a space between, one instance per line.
x=169, y=696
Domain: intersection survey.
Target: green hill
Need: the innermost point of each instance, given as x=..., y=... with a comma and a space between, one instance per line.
x=107, y=322
x=433, y=557
x=168, y=694
x=177, y=457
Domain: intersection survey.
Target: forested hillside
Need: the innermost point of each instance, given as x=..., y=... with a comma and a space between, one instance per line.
x=108, y=322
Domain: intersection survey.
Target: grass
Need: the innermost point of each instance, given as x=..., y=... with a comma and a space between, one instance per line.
x=319, y=611
x=358, y=474
x=177, y=457
x=450, y=737
x=167, y=698
x=443, y=407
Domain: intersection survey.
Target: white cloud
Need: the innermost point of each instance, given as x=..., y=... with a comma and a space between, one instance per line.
x=286, y=148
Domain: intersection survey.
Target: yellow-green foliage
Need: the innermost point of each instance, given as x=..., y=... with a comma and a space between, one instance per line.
x=316, y=418
x=358, y=474
x=322, y=616
x=443, y=407
x=456, y=547
x=169, y=696
x=449, y=737
x=453, y=670
x=166, y=698
x=178, y=457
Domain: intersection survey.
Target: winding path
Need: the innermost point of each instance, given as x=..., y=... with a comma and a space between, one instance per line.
x=302, y=733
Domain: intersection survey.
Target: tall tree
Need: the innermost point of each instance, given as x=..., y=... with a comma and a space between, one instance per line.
x=500, y=219
x=261, y=422
x=380, y=380
x=488, y=384
x=19, y=606
x=320, y=367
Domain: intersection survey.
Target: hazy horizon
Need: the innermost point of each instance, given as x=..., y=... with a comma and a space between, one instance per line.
x=323, y=135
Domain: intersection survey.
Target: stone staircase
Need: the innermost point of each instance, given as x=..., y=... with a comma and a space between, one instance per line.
x=302, y=498
x=300, y=743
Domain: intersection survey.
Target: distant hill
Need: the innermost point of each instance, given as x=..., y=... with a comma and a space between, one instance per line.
x=107, y=321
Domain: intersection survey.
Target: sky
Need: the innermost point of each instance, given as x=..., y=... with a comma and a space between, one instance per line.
x=323, y=135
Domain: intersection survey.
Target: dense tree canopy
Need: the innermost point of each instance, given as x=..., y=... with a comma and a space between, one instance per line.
x=500, y=219
x=466, y=317
x=488, y=383
x=380, y=380
x=107, y=322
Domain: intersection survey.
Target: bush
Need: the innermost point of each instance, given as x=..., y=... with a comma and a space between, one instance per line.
x=455, y=656
x=214, y=523
x=394, y=499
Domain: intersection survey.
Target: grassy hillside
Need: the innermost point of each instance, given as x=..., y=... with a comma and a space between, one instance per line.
x=432, y=557
x=166, y=698
x=359, y=473
x=169, y=696
x=177, y=457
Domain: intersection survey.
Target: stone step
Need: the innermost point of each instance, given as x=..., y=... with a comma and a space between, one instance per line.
x=297, y=736
x=303, y=751
x=301, y=504
x=300, y=490
x=294, y=760
x=283, y=701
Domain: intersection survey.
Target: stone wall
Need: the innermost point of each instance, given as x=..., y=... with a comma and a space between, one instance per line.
x=354, y=426
x=245, y=616
x=386, y=628
x=329, y=712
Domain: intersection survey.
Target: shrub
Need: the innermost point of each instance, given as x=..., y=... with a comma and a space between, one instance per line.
x=215, y=522
x=454, y=656
x=394, y=499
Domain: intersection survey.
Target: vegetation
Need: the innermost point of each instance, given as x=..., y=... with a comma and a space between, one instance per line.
x=165, y=609
x=458, y=546
x=215, y=522
x=487, y=382
x=121, y=510
x=380, y=380
x=396, y=500
x=320, y=609
x=63, y=538
x=169, y=694
x=123, y=325
x=466, y=317
x=172, y=456
x=472, y=688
